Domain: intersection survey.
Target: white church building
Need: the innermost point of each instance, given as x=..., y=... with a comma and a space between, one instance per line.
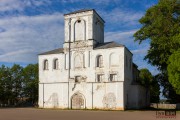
x=88, y=73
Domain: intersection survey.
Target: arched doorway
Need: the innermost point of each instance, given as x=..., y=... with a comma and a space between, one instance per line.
x=77, y=101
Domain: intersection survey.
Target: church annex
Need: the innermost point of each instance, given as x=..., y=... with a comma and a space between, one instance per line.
x=88, y=73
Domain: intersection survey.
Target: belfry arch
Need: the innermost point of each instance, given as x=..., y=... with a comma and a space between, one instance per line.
x=80, y=30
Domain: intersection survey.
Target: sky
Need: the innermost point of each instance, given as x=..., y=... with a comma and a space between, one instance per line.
x=30, y=27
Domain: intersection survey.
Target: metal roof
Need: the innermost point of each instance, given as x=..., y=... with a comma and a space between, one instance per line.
x=56, y=51
x=108, y=45
x=98, y=46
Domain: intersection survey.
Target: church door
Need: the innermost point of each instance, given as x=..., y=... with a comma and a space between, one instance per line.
x=77, y=101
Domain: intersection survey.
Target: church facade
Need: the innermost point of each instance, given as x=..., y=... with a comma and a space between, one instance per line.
x=88, y=73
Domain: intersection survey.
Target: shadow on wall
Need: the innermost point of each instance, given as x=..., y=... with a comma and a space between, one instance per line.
x=53, y=100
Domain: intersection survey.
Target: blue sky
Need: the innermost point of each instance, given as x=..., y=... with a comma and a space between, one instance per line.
x=30, y=27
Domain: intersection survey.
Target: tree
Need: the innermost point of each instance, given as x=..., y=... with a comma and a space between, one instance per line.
x=30, y=74
x=151, y=85
x=154, y=91
x=160, y=25
x=6, y=85
x=174, y=70
x=168, y=90
x=1, y=84
x=17, y=82
x=145, y=77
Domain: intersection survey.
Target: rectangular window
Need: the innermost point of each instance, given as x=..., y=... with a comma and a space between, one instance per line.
x=113, y=77
x=100, y=77
x=100, y=61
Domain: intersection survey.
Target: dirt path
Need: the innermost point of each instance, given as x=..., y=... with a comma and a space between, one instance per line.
x=47, y=114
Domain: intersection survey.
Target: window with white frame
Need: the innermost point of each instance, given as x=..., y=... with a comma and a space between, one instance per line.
x=113, y=77
x=45, y=64
x=100, y=77
x=55, y=64
x=99, y=61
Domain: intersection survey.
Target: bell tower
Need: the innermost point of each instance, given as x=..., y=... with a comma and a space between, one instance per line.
x=83, y=26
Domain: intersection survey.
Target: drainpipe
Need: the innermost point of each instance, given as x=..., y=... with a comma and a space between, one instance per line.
x=69, y=58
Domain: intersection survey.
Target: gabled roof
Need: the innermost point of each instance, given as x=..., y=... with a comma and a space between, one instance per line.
x=56, y=51
x=108, y=45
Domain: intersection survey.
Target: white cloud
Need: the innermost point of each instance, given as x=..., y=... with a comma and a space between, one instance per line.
x=141, y=51
x=24, y=37
x=121, y=17
x=123, y=37
x=119, y=35
x=6, y=5
x=19, y=5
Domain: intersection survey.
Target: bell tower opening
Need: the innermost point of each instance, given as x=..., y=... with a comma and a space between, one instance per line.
x=83, y=26
x=80, y=30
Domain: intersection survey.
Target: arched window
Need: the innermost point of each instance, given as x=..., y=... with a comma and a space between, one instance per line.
x=45, y=64
x=55, y=64
x=99, y=61
x=77, y=62
x=79, y=30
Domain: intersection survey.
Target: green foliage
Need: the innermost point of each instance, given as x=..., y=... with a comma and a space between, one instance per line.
x=168, y=90
x=6, y=84
x=160, y=25
x=18, y=83
x=30, y=74
x=154, y=91
x=148, y=81
x=174, y=70
x=145, y=77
